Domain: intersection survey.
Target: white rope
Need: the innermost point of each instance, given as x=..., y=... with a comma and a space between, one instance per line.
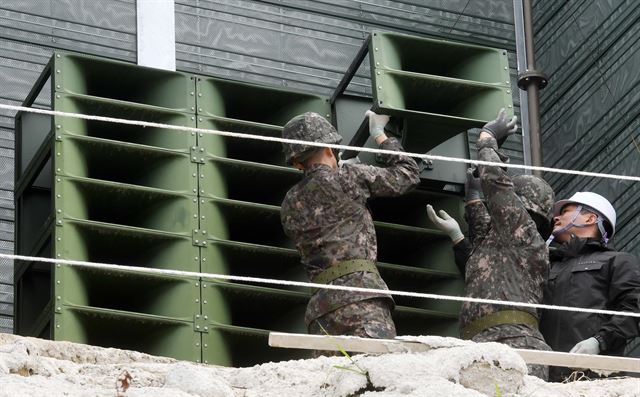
x=300, y=142
x=182, y=273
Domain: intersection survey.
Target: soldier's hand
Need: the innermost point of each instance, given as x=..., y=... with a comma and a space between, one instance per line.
x=502, y=127
x=587, y=346
x=472, y=186
x=376, y=123
x=445, y=223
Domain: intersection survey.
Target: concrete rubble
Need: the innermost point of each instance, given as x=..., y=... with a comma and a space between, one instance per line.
x=36, y=367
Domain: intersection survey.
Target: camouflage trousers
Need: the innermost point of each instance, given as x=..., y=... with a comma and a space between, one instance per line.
x=370, y=318
x=519, y=337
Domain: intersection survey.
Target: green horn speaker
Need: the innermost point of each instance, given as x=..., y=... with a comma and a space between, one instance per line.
x=255, y=103
x=122, y=82
x=439, y=88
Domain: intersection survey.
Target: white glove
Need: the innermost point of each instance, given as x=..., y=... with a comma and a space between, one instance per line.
x=587, y=346
x=376, y=123
x=352, y=160
x=445, y=223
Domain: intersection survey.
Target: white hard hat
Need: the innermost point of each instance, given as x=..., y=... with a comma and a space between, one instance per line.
x=593, y=201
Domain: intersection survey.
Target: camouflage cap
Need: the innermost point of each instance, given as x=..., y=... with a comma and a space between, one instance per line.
x=536, y=195
x=309, y=127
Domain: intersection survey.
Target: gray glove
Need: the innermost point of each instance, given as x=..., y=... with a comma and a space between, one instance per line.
x=587, y=346
x=501, y=127
x=445, y=223
x=376, y=123
x=472, y=186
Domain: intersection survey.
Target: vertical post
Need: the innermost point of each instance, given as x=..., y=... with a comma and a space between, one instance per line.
x=156, y=33
x=532, y=80
x=521, y=57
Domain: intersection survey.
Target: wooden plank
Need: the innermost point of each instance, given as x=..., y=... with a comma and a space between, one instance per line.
x=364, y=345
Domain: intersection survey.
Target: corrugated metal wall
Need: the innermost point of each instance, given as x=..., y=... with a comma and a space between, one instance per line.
x=591, y=108
x=303, y=44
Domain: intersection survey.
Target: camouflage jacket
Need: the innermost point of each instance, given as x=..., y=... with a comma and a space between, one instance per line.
x=509, y=258
x=327, y=218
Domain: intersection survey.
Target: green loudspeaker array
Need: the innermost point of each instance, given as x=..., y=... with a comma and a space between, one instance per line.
x=244, y=181
x=110, y=193
x=156, y=198
x=243, y=184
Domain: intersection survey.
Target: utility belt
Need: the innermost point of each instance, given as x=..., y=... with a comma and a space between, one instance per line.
x=498, y=318
x=342, y=269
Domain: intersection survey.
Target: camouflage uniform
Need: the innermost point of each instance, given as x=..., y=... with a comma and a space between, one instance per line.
x=326, y=216
x=509, y=258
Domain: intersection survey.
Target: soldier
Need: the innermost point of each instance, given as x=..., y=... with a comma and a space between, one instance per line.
x=587, y=272
x=326, y=216
x=509, y=257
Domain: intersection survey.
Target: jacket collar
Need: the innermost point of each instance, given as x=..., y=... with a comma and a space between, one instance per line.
x=576, y=247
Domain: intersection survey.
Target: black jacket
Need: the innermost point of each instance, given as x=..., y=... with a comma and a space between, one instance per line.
x=586, y=274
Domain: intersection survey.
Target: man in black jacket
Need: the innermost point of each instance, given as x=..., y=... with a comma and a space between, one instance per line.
x=586, y=272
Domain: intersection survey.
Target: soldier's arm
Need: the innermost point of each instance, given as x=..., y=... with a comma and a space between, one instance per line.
x=461, y=253
x=399, y=176
x=624, y=295
x=509, y=218
x=478, y=219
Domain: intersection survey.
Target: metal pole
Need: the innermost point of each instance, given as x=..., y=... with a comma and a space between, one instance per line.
x=521, y=58
x=532, y=81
